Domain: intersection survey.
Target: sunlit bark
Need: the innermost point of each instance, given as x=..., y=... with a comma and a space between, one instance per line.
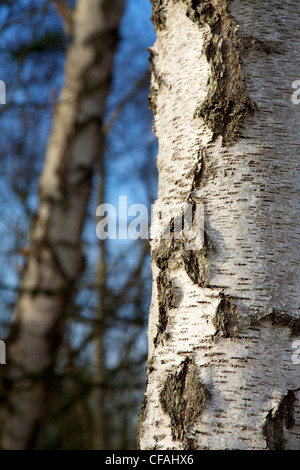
x=223, y=317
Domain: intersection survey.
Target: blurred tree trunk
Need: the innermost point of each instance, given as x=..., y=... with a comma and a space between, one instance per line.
x=98, y=427
x=225, y=313
x=54, y=252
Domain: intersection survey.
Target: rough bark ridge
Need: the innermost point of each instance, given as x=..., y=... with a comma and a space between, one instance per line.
x=226, y=102
x=55, y=258
x=229, y=139
x=183, y=398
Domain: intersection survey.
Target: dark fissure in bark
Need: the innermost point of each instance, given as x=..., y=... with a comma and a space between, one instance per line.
x=166, y=300
x=226, y=318
x=141, y=419
x=166, y=296
x=249, y=42
x=200, y=170
x=196, y=261
x=183, y=398
x=226, y=103
x=158, y=17
x=281, y=319
x=196, y=265
x=273, y=428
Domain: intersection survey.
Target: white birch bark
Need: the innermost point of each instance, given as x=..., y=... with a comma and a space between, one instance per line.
x=222, y=319
x=55, y=258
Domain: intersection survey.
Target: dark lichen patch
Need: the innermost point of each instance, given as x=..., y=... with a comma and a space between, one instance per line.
x=162, y=253
x=185, y=252
x=226, y=318
x=249, y=42
x=226, y=103
x=224, y=116
x=190, y=444
x=166, y=300
x=152, y=100
x=276, y=420
x=150, y=365
x=183, y=398
x=276, y=317
x=152, y=97
x=202, y=11
x=165, y=290
x=159, y=17
x=196, y=262
x=200, y=170
x=177, y=251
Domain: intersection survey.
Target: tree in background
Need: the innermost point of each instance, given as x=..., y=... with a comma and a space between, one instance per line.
x=224, y=314
x=32, y=60
x=55, y=258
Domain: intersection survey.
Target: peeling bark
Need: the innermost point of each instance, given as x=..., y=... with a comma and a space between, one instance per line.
x=55, y=258
x=235, y=302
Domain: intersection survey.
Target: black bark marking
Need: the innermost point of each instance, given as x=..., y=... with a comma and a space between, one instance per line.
x=273, y=428
x=279, y=318
x=226, y=103
x=152, y=101
x=183, y=398
x=200, y=170
x=248, y=43
x=141, y=418
x=152, y=97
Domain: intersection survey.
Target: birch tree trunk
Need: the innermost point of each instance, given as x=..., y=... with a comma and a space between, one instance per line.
x=223, y=316
x=55, y=258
